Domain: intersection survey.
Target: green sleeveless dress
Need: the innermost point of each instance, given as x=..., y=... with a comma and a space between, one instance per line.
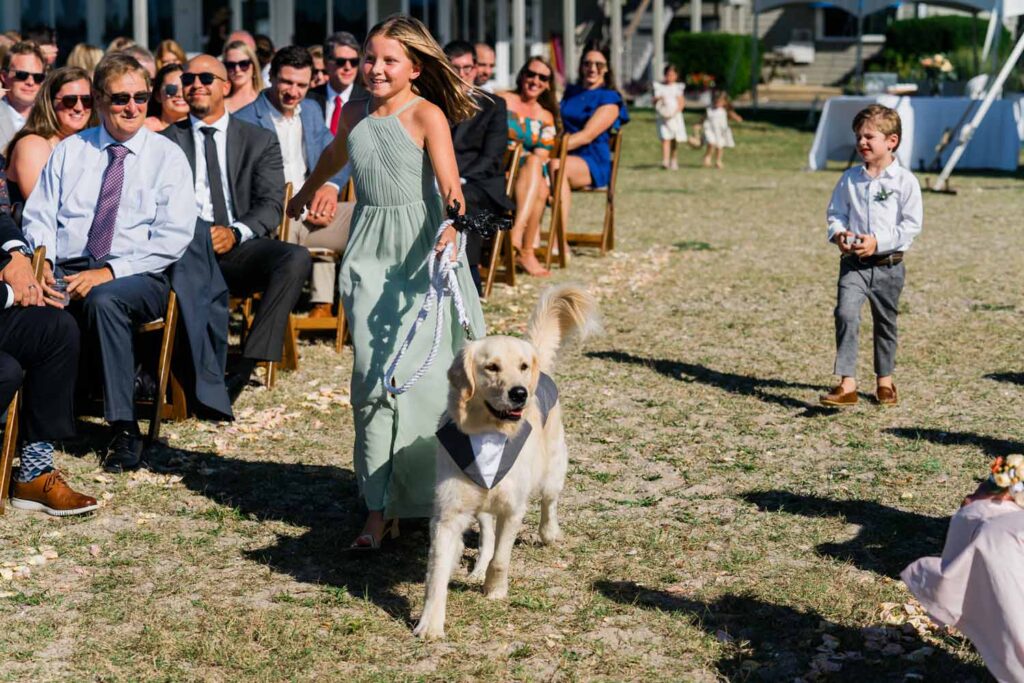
x=383, y=283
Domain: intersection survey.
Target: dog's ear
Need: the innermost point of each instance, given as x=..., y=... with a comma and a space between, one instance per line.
x=461, y=374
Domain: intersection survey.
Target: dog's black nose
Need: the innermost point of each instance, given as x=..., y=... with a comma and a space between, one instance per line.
x=518, y=395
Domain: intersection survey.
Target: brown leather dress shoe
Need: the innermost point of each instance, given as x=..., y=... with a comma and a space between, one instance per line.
x=887, y=396
x=837, y=397
x=49, y=493
x=320, y=311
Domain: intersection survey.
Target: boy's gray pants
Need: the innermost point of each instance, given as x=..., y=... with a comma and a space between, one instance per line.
x=881, y=286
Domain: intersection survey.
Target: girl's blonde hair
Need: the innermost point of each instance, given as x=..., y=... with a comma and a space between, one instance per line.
x=85, y=57
x=438, y=82
x=42, y=121
x=171, y=46
x=257, y=77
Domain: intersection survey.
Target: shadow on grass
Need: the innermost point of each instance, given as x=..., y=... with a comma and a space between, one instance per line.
x=989, y=445
x=1009, y=377
x=745, y=385
x=324, y=501
x=888, y=539
x=782, y=641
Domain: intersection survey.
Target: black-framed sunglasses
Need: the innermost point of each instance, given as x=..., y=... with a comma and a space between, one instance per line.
x=170, y=89
x=350, y=62
x=241, y=65
x=206, y=78
x=543, y=78
x=69, y=101
x=600, y=66
x=121, y=99
x=25, y=75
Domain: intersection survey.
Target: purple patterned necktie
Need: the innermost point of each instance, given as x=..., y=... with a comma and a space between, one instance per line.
x=101, y=234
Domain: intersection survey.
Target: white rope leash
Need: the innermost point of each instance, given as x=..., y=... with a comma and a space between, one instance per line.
x=441, y=273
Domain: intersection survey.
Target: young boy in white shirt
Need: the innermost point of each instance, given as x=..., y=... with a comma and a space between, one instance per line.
x=873, y=217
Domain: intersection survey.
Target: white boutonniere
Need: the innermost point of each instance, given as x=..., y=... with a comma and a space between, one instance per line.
x=883, y=194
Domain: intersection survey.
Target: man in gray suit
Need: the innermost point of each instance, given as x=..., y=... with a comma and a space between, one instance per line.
x=239, y=184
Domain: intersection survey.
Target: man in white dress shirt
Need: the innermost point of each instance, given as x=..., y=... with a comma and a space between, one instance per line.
x=113, y=214
x=341, y=57
x=485, y=60
x=21, y=73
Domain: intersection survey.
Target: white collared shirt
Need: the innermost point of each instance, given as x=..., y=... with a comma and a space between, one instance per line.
x=156, y=217
x=488, y=449
x=346, y=95
x=289, y=136
x=17, y=119
x=204, y=201
x=888, y=207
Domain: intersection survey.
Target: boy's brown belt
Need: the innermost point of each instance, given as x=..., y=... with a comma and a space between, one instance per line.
x=890, y=259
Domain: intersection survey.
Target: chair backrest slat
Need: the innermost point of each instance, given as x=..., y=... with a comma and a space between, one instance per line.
x=510, y=163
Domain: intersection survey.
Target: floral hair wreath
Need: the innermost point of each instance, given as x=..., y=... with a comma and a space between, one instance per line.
x=1008, y=475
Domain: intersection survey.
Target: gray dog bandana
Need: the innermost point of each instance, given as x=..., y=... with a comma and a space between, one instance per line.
x=487, y=458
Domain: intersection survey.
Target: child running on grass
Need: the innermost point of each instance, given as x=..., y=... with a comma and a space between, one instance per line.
x=715, y=127
x=668, y=105
x=873, y=217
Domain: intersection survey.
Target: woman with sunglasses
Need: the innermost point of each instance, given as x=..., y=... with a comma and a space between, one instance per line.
x=63, y=108
x=591, y=109
x=167, y=105
x=244, y=74
x=533, y=121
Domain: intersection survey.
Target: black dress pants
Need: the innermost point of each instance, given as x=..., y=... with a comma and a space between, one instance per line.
x=278, y=270
x=39, y=352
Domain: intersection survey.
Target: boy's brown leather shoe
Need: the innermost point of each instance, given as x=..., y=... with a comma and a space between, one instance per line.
x=838, y=398
x=887, y=396
x=49, y=493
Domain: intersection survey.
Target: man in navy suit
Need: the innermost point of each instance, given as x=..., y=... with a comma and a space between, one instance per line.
x=299, y=126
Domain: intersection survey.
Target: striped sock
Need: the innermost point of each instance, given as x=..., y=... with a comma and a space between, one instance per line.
x=36, y=458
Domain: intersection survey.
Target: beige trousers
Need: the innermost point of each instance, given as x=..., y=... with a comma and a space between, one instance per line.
x=334, y=236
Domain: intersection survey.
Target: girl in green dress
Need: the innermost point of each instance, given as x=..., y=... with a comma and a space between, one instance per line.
x=397, y=142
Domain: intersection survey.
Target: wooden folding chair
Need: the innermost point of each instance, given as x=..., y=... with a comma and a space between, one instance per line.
x=10, y=442
x=502, y=257
x=163, y=409
x=556, y=230
x=604, y=240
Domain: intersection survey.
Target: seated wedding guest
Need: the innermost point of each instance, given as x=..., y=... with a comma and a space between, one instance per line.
x=21, y=74
x=479, y=144
x=485, y=60
x=240, y=211
x=241, y=36
x=113, y=194
x=591, y=109
x=85, y=57
x=264, y=52
x=167, y=105
x=45, y=37
x=303, y=137
x=341, y=57
x=169, y=52
x=319, y=70
x=975, y=586
x=532, y=121
x=38, y=353
x=119, y=44
x=243, y=74
x=63, y=108
x=143, y=57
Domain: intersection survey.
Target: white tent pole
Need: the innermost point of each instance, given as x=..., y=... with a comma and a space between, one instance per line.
x=569, y=39
x=616, y=42
x=990, y=32
x=518, y=34
x=659, y=38
x=997, y=35
x=968, y=131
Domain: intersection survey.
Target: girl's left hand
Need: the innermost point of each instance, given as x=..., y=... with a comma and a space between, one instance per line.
x=448, y=237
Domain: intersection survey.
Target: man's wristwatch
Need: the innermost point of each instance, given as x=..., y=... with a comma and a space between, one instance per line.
x=237, y=233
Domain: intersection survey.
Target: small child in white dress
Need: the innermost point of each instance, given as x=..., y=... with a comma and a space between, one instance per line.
x=715, y=126
x=668, y=105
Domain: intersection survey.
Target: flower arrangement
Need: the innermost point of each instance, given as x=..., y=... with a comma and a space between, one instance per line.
x=700, y=81
x=938, y=63
x=1008, y=476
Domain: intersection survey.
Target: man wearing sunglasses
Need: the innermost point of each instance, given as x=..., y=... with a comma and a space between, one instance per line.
x=113, y=214
x=479, y=143
x=239, y=191
x=341, y=57
x=21, y=73
x=300, y=130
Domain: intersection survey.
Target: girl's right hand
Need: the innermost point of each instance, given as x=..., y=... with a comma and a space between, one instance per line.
x=298, y=203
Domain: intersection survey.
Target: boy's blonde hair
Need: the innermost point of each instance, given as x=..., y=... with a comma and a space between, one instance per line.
x=886, y=120
x=438, y=82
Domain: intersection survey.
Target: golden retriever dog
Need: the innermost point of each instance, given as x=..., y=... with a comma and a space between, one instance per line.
x=501, y=443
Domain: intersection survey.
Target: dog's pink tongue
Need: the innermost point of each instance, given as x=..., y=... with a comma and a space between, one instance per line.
x=515, y=413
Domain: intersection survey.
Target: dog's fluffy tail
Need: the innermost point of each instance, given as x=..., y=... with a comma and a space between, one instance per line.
x=563, y=312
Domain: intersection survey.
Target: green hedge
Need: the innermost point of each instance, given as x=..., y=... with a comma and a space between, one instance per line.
x=726, y=56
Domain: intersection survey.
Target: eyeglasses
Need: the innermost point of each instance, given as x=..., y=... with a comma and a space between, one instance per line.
x=349, y=62
x=600, y=66
x=241, y=65
x=25, y=75
x=543, y=78
x=121, y=99
x=206, y=78
x=171, y=89
x=69, y=101
x=465, y=69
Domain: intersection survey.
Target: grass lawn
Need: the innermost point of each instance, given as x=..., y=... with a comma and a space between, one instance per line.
x=719, y=524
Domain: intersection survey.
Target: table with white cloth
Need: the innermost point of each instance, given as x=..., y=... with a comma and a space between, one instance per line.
x=995, y=145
